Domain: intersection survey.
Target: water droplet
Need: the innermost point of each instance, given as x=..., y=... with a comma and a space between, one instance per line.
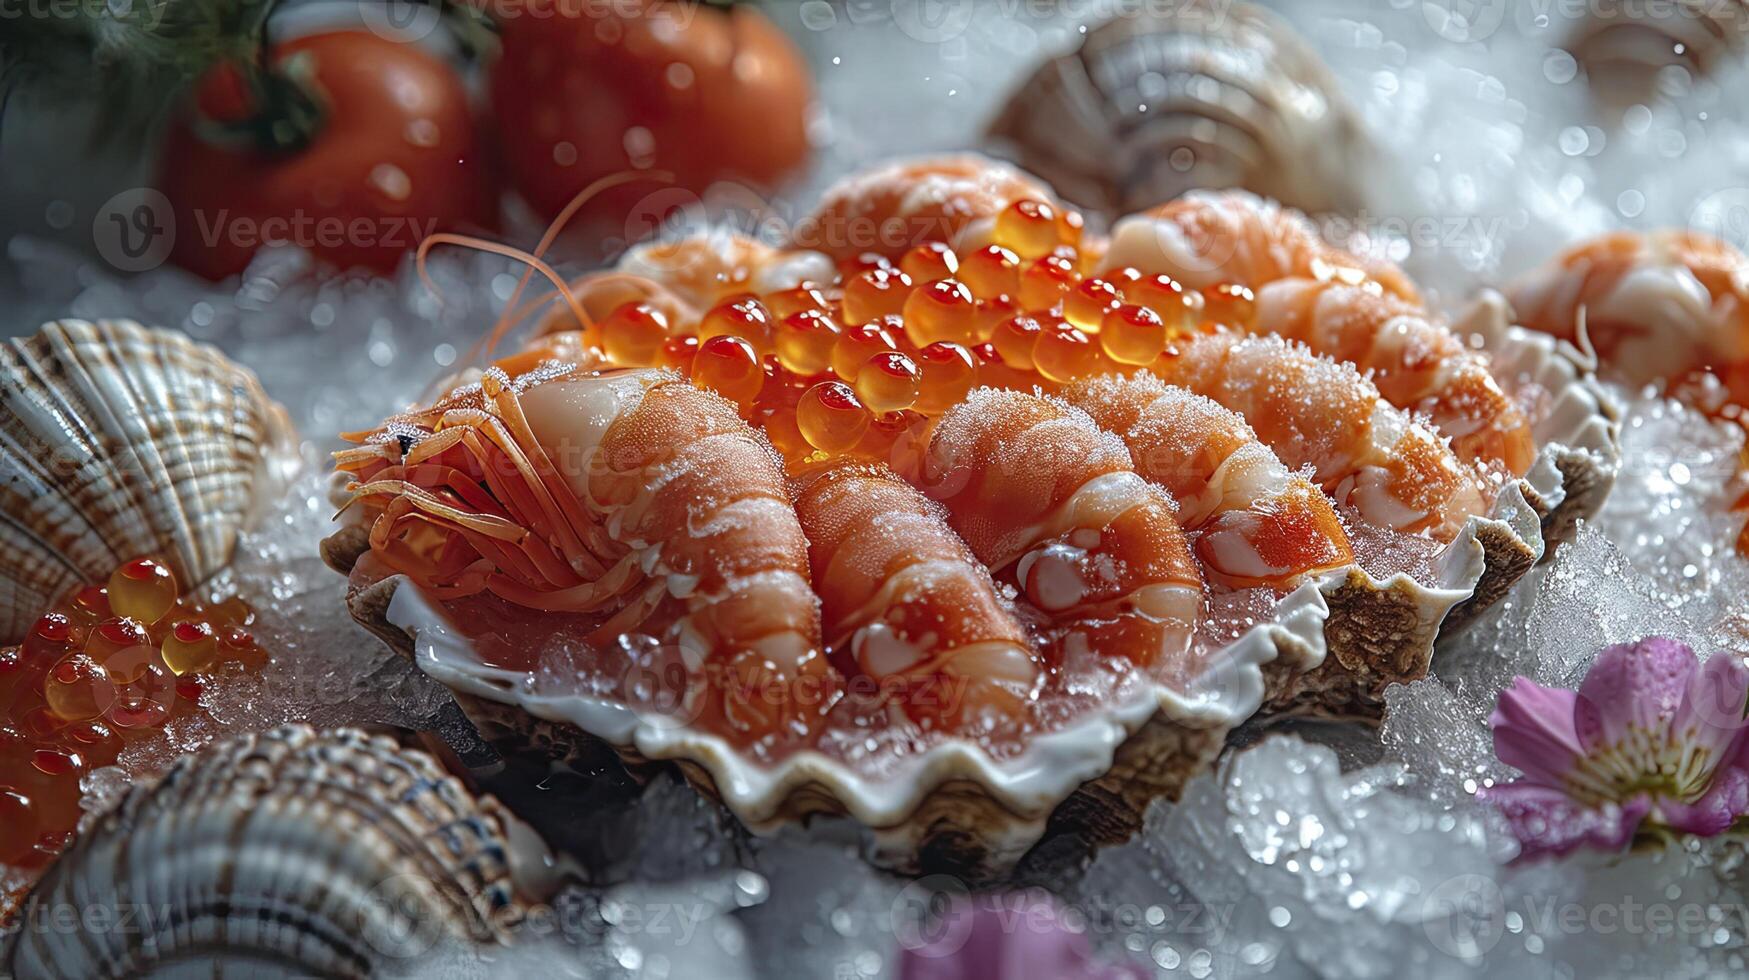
x=640, y=146
x=564, y=153
x=679, y=75
x=59, y=215
x=392, y=181
x=1559, y=67
x=423, y=132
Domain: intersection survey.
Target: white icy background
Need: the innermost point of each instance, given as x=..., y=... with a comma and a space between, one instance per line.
x=1360, y=856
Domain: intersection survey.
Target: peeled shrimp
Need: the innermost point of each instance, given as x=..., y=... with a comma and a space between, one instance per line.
x=1050, y=502
x=1253, y=521
x=1655, y=306
x=1320, y=413
x=1417, y=363
x=951, y=199
x=629, y=494
x=1210, y=237
x=902, y=597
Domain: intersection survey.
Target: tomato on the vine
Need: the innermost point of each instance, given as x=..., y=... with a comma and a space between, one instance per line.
x=581, y=91
x=387, y=154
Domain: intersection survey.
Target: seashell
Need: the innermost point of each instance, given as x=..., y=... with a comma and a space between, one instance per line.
x=1201, y=95
x=116, y=441
x=1381, y=633
x=952, y=808
x=1327, y=648
x=1625, y=48
x=290, y=853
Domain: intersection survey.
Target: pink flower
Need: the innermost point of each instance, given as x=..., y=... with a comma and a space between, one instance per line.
x=1651, y=740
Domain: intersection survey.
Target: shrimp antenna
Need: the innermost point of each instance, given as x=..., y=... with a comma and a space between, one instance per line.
x=532, y=261
x=508, y=319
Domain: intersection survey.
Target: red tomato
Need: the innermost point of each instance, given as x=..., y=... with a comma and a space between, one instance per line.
x=394, y=158
x=581, y=91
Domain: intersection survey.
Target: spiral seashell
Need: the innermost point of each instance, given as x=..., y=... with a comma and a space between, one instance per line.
x=1201, y=96
x=290, y=853
x=1623, y=49
x=117, y=441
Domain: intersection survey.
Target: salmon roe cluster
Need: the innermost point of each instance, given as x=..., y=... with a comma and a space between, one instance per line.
x=847, y=367
x=109, y=666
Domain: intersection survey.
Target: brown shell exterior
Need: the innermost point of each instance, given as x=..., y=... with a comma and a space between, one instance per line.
x=119, y=441
x=293, y=852
x=1204, y=95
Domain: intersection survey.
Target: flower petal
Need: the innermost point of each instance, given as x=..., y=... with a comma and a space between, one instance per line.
x=1632, y=685
x=1711, y=714
x=1016, y=936
x=1549, y=823
x=1714, y=813
x=1533, y=731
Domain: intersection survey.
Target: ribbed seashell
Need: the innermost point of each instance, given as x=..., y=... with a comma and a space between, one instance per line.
x=1204, y=95
x=1624, y=48
x=291, y=853
x=119, y=441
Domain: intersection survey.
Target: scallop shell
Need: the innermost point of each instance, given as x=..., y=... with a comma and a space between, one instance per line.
x=1382, y=632
x=291, y=853
x=119, y=441
x=1329, y=650
x=1200, y=95
x=1624, y=48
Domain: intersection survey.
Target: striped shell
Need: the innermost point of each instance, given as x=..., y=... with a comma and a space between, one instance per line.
x=119, y=441
x=1201, y=96
x=291, y=853
x=1624, y=50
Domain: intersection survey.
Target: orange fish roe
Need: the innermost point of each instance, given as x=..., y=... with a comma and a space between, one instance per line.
x=875, y=293
x=1230, y=304
x=831, y=418
x=888, y=382
x=991, y=271
x=633, y=334
x=930, y=261
x=859, y=365
x=109, y=666
x=730, y=367
x=1132, y=334
x=1029, y=228
x=744, y=317
x=1087, y=304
